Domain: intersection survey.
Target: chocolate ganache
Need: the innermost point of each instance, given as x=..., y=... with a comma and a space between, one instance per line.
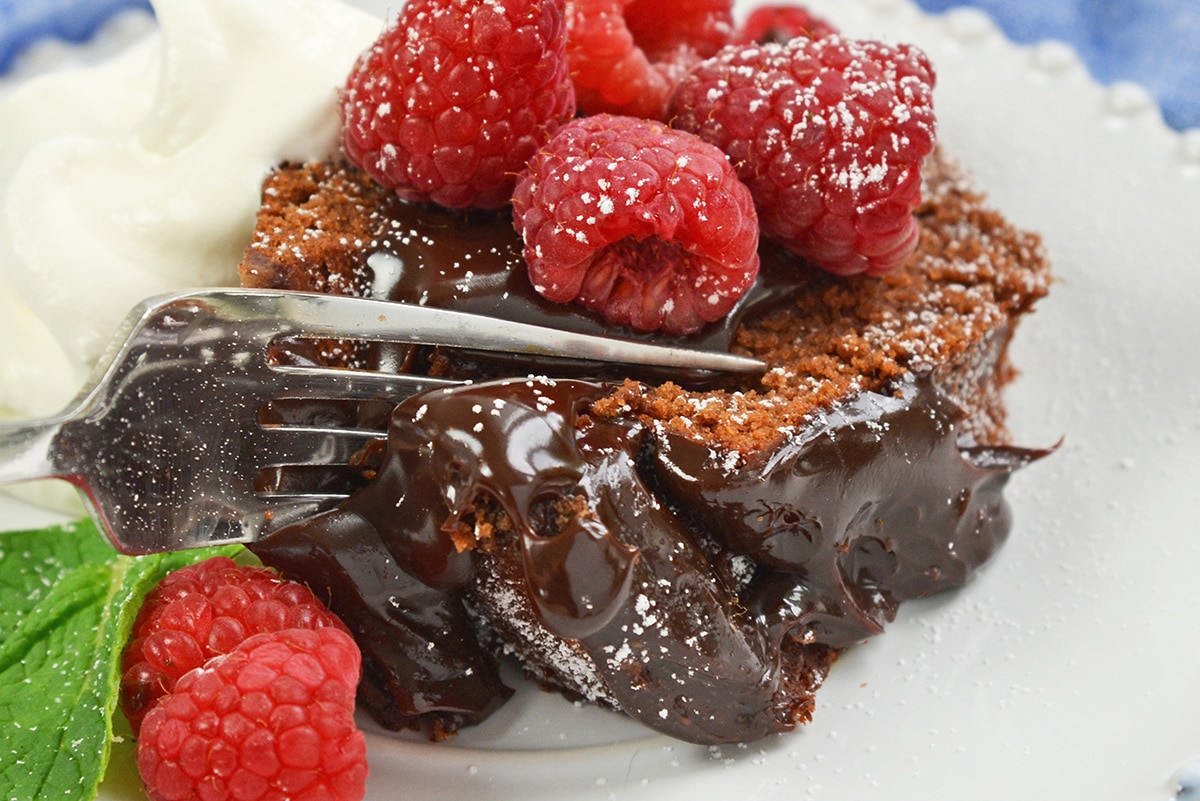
x=629, y=553
x=641, y=555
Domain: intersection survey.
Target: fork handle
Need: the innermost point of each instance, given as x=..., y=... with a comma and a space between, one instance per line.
x=25, y=449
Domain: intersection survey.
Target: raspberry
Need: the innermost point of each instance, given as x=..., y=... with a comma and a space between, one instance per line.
x=627, y=55
x=829, y=135
x=272, y=719
x=456, y=95
x=646, y=225
x=200, y=611
x=781, y=23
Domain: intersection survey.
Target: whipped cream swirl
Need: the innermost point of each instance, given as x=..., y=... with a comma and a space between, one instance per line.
x=141, y=175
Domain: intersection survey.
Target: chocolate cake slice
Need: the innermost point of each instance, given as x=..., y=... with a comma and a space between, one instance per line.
x=690, y=553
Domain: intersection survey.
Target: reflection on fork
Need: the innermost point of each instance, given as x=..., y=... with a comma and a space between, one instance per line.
x=188, y=433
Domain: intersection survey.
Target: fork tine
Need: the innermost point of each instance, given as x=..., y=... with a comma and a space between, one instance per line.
x=346, y=384
x=323, y=498
x=346, y=317
x=313, y=482
x=333, y=413
x=281, y=510
x=279, y=446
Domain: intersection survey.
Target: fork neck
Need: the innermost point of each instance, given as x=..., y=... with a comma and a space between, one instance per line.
x=26, y=448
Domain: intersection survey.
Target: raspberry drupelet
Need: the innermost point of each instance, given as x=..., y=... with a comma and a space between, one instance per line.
x=455, y=96
x=829, y=135
x=646, y=225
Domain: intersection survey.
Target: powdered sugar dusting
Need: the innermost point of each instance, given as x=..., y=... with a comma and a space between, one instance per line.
x=951, y=306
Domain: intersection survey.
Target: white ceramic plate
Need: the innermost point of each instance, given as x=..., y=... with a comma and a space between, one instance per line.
x=1071, y=668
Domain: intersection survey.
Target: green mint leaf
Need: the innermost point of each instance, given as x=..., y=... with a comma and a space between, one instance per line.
x=67, y=605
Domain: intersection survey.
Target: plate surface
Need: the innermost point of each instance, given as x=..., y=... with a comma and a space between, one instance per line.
x=1071, y=667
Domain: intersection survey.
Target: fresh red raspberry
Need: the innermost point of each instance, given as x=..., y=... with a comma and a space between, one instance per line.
x=781, y=23
x=201, y=611
x=647, y=225
x=456, y=95
x=272, y=719
x=829, y=135
x=627, y=55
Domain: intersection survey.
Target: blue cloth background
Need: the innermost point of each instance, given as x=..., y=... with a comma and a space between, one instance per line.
x=23, y=22
x=1153, y=42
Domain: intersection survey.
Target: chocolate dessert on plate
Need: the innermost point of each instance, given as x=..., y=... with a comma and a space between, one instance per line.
x=691, y=550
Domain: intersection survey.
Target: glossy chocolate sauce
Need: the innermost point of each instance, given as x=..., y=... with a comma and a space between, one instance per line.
x=684, y=583
x=437, y=257
x=424, y=255
x=641, y=569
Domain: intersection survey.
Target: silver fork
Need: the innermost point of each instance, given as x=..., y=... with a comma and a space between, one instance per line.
x=167, y=441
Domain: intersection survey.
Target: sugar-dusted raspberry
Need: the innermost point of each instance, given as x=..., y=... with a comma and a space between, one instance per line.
x=646, y=225
x=829, y=134
x=201, y=611
x=272, y=719
x=781, y=23
x=627, y=55
x=456, y=95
